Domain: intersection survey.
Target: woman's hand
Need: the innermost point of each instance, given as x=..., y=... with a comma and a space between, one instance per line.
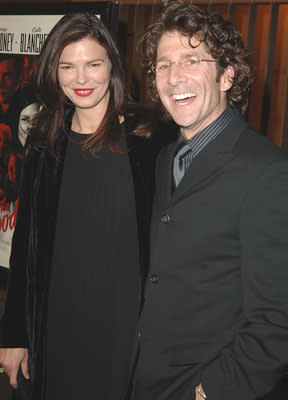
x=11, y=359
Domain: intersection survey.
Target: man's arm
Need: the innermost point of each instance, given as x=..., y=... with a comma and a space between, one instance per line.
x=257, y=357
x=11, y=360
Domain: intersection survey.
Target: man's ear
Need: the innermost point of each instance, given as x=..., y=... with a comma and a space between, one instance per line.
x=226, y=79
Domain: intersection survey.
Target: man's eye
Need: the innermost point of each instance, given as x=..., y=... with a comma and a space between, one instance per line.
x=95, y=65
x=163, y=67
x=192, y=61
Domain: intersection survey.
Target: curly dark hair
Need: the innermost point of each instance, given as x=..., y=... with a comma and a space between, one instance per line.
x=222, y=40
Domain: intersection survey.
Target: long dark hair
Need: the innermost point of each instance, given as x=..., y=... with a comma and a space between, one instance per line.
x=55, y=106
x=222, y=40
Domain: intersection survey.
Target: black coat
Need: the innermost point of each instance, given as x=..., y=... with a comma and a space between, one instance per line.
x=216, y=301
x=30, y=263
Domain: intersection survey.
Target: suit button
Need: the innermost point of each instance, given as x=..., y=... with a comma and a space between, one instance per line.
x=154, y=278
x=165, y=219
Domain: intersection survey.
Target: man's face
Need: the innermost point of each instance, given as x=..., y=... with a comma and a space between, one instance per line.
x=191, y=96
x=8, y=80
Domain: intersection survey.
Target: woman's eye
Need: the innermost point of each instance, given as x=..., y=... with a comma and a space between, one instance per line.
x=25, y=119
x=65, y=67
x=95, y=65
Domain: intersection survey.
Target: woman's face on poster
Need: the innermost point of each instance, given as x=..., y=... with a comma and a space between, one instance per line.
x=25, y=121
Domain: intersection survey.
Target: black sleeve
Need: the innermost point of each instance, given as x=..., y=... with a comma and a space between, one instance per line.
x=256, y=359
x=14, y=332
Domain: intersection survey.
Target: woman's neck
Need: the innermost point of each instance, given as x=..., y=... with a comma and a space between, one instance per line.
x=86, y=121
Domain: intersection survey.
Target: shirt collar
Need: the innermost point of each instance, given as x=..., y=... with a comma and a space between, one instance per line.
x=202, y=138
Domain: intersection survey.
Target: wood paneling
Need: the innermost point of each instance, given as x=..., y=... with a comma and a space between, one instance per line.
x=260, y=55
x=242, y=19
x=223, y=9
x=279, y=80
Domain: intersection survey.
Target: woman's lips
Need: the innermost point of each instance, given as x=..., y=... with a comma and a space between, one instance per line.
x=83, y=92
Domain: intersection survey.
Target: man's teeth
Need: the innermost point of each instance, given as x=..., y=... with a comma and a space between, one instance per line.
x=183, y=96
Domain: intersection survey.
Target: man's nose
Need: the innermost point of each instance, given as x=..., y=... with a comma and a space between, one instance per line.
x=175, y=74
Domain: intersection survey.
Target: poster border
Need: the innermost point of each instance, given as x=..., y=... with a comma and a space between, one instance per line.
x=107, y=9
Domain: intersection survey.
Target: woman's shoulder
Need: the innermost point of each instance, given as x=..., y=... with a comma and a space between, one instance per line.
x=148, y=131
x=138, y=120
x=147, y=122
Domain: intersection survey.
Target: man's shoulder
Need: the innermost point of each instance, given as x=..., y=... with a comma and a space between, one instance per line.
x=253, y=144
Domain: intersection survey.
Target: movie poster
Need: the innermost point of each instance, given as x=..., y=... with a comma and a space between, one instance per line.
x=21, y=39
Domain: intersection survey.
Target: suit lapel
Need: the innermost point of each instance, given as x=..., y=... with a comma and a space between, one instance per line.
x=164, y=174
x=213, y=157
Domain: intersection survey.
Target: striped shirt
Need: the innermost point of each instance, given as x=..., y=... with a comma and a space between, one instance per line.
x=188, y=150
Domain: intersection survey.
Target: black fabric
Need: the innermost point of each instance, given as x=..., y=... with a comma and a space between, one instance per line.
x=215, y=306
x=24, y=324
x=25, y=388
x=93, y=300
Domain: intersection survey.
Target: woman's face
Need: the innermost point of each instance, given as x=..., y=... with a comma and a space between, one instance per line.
x=84, y=75
x=25, y=121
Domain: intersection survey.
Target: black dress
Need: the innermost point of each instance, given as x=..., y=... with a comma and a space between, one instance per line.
x=94, y=286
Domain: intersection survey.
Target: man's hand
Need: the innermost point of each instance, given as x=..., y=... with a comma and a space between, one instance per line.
x=11, y=359
x=198, y=395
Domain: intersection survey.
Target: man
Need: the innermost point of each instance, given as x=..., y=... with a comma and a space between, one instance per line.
x=10, y=70
x=215, y=318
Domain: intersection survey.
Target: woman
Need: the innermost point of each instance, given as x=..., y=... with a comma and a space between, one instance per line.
x=22, y=109
x=74, y=290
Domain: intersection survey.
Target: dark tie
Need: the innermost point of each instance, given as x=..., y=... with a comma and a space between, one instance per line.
x=182, y=161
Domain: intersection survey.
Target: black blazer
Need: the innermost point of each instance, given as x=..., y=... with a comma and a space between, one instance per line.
x=216, y=300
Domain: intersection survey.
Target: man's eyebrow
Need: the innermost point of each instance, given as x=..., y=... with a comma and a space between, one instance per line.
x=182, y=56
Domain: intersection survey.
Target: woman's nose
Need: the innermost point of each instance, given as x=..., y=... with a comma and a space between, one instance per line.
x=81, y=75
